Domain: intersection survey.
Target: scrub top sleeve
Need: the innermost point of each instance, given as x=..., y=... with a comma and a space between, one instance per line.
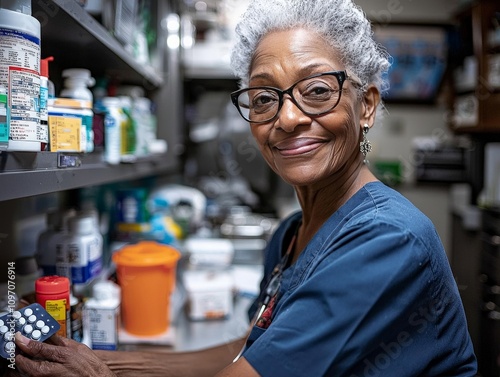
x=366, y=296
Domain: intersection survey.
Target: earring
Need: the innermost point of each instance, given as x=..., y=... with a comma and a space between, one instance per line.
x=365, y=146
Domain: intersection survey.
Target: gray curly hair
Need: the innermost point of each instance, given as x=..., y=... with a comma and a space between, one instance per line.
x=342, y=23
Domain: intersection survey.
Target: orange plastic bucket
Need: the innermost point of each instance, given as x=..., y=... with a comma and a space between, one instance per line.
x=146, y=274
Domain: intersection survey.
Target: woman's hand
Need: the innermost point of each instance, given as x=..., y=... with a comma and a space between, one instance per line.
x=62, y=358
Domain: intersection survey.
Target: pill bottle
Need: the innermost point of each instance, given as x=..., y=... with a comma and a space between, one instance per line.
x=76, y=84
x=128, y=131
x=20, y=74
x=45, y=93
x=4, y=118
x=83, y=250
x=76, y=318
x=27, y=272
x=95, y=253
x=70, y=125
x=52, y=292
x=102, y=311
x=49, y=239
x=141, y=112
x=113, y=117
x=44, y=71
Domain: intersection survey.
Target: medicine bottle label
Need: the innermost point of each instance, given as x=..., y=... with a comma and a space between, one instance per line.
x=19, y=72
x=24, y=88
x=4, y=122
x=58, y=310
x=104, y=328
x=65, y=133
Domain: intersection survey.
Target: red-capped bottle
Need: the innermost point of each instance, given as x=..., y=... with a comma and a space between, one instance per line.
x=52, y=292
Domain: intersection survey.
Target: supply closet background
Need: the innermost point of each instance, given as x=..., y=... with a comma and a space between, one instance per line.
x=209, y=146
x=30, y=183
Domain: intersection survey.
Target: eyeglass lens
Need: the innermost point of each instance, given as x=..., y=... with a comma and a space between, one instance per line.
x=313, y=96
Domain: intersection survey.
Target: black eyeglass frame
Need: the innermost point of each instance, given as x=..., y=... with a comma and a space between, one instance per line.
x=341, y=77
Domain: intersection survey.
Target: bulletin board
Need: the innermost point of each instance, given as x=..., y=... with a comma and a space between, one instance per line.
x=419, y=55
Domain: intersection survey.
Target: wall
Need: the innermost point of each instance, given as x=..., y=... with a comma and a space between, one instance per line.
x=384, y=11
x=392, y=138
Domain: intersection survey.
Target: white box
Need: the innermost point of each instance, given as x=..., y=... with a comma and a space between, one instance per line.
x=216, y=252
x=209, y=294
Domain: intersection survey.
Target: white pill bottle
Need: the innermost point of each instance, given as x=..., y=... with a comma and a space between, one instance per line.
x=102, y=312
x=20, y=74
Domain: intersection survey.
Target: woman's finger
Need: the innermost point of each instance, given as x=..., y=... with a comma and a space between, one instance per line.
x=38, y=368
x=41, y=350
x=57, y=340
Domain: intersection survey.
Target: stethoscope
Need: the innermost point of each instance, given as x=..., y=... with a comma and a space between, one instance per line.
x=271, y=289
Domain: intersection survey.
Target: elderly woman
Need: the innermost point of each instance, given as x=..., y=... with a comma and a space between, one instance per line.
x=357, y=283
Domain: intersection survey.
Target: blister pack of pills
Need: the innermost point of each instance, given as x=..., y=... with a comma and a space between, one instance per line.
x=32, y=321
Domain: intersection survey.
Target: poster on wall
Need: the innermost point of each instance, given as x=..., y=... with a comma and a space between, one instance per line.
x=418, y=56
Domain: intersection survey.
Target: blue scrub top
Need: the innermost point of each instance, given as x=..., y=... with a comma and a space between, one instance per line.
x=371, y=295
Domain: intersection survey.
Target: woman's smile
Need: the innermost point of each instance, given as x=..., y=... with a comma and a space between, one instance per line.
x=298, y=146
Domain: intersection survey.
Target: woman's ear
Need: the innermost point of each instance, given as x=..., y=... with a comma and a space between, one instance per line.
x=370, y=101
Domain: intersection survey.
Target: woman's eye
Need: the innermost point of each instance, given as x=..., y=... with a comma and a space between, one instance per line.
x=264, y=99
x=317, y=90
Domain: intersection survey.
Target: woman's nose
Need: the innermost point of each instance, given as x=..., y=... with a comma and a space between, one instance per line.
x=290, y=116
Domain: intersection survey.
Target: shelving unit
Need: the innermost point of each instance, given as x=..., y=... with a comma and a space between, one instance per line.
x=475, y=106
x=77, y=40
x=24, y=174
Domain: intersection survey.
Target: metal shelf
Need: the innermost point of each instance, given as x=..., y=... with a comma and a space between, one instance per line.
x=76, y=39
x=24, y=174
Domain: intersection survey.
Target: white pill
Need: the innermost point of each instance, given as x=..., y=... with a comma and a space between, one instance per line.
x=9, y=347
x=45, y=330
x=21, y=321
x=40, y=324
x=8, y=336
x=1, y=323
x=16, y=315
x=32, y=318
x=28, y=329
x=3, y=329
x=36, y=334
x=28, y=312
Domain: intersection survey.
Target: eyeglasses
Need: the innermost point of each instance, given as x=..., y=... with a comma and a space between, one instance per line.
x=314, y=95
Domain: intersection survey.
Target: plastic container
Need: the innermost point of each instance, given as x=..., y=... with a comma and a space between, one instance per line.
x=44, y=72
x=103, y=313
x=27, y=272
x=128, y=131
x=113, y=117
x=76, y=84
x=209, y=294
x=4, y=118
x=21, y=6
x=146, y=274
x=20, y=74
x=70, y=125
x=76, y=318
x=83, y=250
x=52, y=292
x=146, y=132
x=50, y=238
x=44, y=92
x=209, y=252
